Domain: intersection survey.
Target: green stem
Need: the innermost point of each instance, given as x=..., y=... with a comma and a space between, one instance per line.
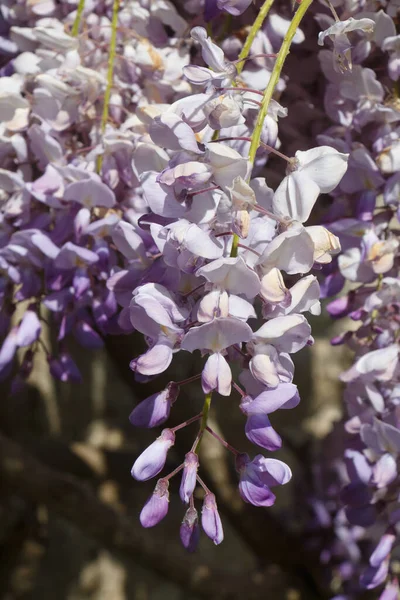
x=252, y=33
x=273, y=80
x=203, y=424
x=269, y=90
x=235, y=245
x=110, y=72
x=77, y=22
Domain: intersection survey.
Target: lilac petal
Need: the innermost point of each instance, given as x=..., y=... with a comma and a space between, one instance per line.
x=87, y=336
x=197, y=241
x=155, y=410
x=384, y=471
x=81, y=222
x=212, y=54
x=142, y=322
x=264, y=369
x=285, y=396
x=90, y=193
x=391, y=591
x=273, y=288
x=154, y=309
x=210, y=519
x=214, y=304
x=71, y=256
x=272, y=471
x=188, y=482
x=58, y=301
x=377, y=364
x=7, y=352
x=197, y=75
x=291, y=251
x=295, y=197
x=160, y=198
x=286, y=334
x=81, y=282
x=156, y=507
x=45, y=148
x=128, y=241
x=121, y=284
x=383, y=549
x=374, y=576
x=259, y=430
x=187, y=175
x=45, y=245
x=216, y=375
x=233, y=7
x=64, y=368
x=169, y=131
x=216, y=335
x=152, y=460
x=357, y=466
x=159, y=305
x=190, y=531
x=232, y=275
x=324, y=165
x=251, y=488
x=227, y=164
x=252, y=491
x=154, y=361
x=29, y=329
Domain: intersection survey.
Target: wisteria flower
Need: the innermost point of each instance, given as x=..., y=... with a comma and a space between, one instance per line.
x=341, y=43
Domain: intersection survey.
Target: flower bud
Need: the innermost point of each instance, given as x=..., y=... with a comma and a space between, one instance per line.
x=383, y=549
x=210, y=519
x=188, y=482
x=152, y=460
x=189, y=531
x=156, y=506
x=216, y=375
x=156, y=408
x=374, y=576
x=224, y=111
x=241, y=223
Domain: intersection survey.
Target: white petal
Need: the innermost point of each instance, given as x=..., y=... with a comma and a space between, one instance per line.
x=295, y=196
x=324, y=165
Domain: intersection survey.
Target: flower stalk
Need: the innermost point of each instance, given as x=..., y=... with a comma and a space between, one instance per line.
x=203, y=424
x=78, y=18
x=269, y=91
x=255, y=28
x=110, y=74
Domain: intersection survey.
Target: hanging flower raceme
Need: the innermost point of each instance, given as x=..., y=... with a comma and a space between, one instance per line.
x=201, y=202
x=369, y=266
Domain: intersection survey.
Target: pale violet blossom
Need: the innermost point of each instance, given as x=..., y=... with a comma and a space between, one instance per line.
x=220, y=70
x=341, y=43
x=392, y=45
x=311, y=172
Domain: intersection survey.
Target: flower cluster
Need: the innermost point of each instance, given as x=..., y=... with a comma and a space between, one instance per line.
x=129, y=203
x=364, y=217
x=132, y=146
x=71, y=158
x=225, y=243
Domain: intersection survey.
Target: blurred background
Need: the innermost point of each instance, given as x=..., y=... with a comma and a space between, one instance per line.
x=69, y=527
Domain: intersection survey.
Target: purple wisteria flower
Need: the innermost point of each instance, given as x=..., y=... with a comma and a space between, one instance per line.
x=134, y=198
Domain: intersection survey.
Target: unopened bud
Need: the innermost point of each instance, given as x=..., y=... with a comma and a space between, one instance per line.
x=190, y=531
x=156, y=506
x=188, y=482
x=210, y=519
